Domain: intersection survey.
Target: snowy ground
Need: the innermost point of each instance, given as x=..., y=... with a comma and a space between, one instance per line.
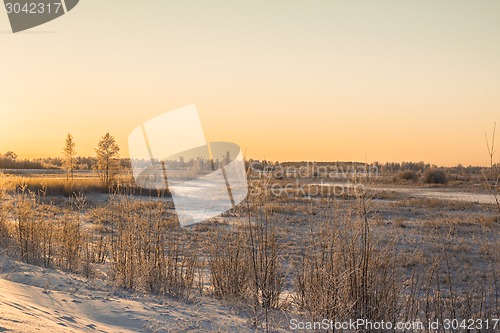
x=440, y=194
x=443, y=195
x=34, y=299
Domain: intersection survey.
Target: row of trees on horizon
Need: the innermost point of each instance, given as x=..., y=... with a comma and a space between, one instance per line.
x=10, y=160
x=107, y=160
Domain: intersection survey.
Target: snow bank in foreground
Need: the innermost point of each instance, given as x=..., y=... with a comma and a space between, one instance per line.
x=33, y=299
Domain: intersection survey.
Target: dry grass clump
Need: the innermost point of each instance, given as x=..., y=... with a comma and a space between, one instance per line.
x=407, y=175
x=246, y=262
x=45, y=238
x=343, y=274
x=435, y=176
x=5, y=209
x=386, y=195
x=229, y=261
x=146, y=252
x=426, y=205
x=347, y=271
x=267, y=270
x=492, y=184
x=445, y=297
x=68, y=187
x=61, y=187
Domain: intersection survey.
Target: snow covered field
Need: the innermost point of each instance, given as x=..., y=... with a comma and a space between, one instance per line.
x=34, y=299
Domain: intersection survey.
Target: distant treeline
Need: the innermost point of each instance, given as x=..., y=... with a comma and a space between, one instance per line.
x=7, y=163
x=11, y=161
x=388, y=167
x=391, y=167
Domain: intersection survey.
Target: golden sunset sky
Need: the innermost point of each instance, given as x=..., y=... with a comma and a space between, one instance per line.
x=316, y=80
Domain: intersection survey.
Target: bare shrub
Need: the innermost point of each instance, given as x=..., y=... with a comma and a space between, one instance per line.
x=229, y=261
x=5, y=210
x=492, y=178
x=268, y=276
x=343, y=273
x=244, y=263
x=26, y=226
x=435, y=176
x=407, y=175
x=70, y=242
x=493, y=186
x=143, y=257
x=44, y=240
x=267, y=271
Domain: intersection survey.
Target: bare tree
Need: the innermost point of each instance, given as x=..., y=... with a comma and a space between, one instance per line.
x=491, y=150
x=107, y=157
x=493, y=181
x=69, y=156
x=11, y=155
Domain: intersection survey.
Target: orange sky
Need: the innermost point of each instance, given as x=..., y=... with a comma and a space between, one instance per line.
x=319, y=80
